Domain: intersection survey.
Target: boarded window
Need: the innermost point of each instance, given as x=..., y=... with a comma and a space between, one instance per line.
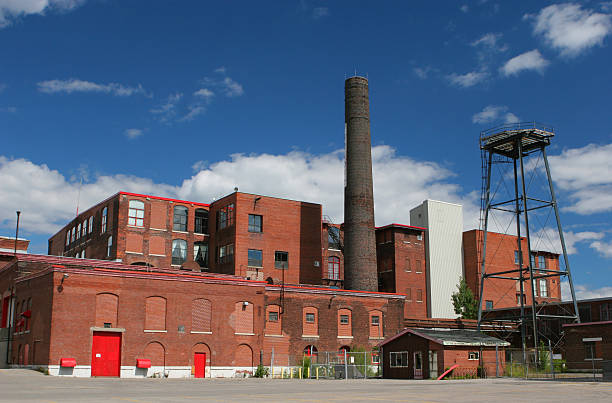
x=376, y=324
x=133, y=243
x=155, y=314
x=409, y=294
x=273, y=320
x=159, y=216
x=155, y=352
x=106, y=309
x=419, y=296
x=244, y=317
x=344, y=323
x=310, y=321
x=244, y=357
x=157, y=245
x=201, y=315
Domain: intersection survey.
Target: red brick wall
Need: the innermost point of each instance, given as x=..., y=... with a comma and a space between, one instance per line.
x=575, y=352
x=500, y=257
x=402, y=268
x=106, y=309
x=460, y=355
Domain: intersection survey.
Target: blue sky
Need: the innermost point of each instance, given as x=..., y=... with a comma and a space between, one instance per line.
x=191, y=98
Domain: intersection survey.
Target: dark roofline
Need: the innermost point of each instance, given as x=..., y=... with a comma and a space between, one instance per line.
x=164, y=198
x=395, y=225
x=606, y=322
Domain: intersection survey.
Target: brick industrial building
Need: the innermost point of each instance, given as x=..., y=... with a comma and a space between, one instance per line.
x=82, y=316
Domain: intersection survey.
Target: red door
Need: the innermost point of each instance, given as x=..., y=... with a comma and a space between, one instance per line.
x=105, y=354
x=199, y=361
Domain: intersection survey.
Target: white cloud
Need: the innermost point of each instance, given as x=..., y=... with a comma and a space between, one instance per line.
x=531, y=60
x=167, y=111
x=76, y=85
x=133, y=133
x=604, y=248
x=422, y=72
x=220, y=70
x=320, y=12
x=584, y=292
x=12, y=9
x=232, y=88
x=585, y=174
x=50, y=199
x=547, y=239
x=204, y=93
x=571, y=29
x=227, y=85
x=195, y=110
x=490, y=41
x=464, y=8
x=468, y=79
x=493, y=113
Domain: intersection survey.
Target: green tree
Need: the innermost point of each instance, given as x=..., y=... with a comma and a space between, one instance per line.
x=464, y=302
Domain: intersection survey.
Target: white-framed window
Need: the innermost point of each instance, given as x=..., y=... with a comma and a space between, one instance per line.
x=398, y=359
x=104, y=218
x=474, y=355
x=90, y=224
x=72, y=231
x=78, y=231
x=543, y=288
x=136, y=213
x=109, y=246
x=333, y=268
x=420, y=237
x=68, y=237
x=375, y=358
x=179, y=251
x=541, y=262
x=84, y=228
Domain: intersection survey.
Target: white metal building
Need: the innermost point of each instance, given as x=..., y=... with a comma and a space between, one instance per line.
x=443, y=245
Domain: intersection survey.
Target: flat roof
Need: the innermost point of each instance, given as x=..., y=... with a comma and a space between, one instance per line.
x=402, y=226
x=451, y=337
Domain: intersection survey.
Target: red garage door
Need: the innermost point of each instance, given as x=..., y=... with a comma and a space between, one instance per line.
x=105, y=354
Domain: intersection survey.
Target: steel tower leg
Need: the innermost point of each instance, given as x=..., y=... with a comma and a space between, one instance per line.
x=484, y=242
x=520, y=257
x=561, y=237
x=531, y=279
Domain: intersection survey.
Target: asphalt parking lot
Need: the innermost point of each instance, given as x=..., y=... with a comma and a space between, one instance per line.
x=30, y=386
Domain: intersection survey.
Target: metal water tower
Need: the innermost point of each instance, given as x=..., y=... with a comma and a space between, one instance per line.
x=521, y=148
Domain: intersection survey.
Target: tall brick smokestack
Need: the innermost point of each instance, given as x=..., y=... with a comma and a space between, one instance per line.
x=359, y=238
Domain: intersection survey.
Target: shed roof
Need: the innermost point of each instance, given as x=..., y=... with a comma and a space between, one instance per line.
x=452, y=337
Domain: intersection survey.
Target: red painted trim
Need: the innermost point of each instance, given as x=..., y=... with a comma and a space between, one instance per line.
x=607, y=322
x=154, y=273
x=402, y=226
x=338, y=289
x=164, y=198
x=448, y=371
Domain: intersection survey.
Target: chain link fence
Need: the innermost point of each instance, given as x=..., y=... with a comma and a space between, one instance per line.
x=325, y=365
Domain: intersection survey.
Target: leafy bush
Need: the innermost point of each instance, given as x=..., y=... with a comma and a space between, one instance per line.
x=261, y=371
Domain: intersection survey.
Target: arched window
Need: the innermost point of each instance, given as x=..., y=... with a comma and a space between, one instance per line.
x=180, y=218
x=343, y=349
x=310, y=321
x=311, y=351
x=78, y=231
x=273, y=320
x=243, y=314
x=155, y=313
x=90, y=224
x=333, y=268
x=84, y=228
x=201, y=221
x=106, y=310
x=109, y=246
x=376, y=324
x=201, y=312
x=179, y=251
x=345, y=324
x=104, y=218
x=200, y=253
x=136, y=213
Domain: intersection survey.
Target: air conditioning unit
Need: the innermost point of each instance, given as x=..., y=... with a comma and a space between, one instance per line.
x=317, y=263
